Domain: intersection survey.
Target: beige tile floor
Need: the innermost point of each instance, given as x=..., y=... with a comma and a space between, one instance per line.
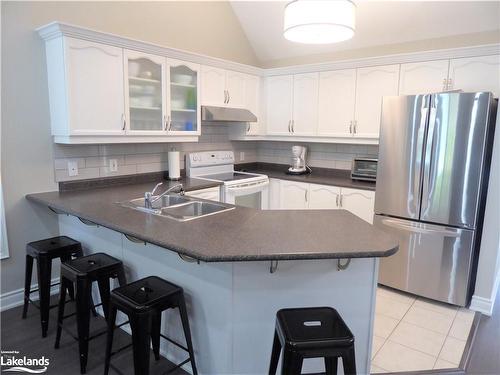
x=412, y=333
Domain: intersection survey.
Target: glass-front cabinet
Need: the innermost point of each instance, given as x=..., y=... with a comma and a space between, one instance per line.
x=145, y=93
x=161, y=95
x=184, y=93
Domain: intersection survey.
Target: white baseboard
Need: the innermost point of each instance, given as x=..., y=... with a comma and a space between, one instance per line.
x=485, y=305
x=15, y=298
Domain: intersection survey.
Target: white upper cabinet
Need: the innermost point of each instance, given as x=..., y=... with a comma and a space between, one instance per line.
x=279, y=104
x=92, y=88
x=371, y=85
x=305, y=104
x=145, y=93
x=323, y=197
x=213, y=86
x=223, y=88
x=235, y=89
x=476, y=74
x=184, y=115
x=337, y=95
x=252, y=102
x=423, y=77
x=360, y=202
x=294, y=195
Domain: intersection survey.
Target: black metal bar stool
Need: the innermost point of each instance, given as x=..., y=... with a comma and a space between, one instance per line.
x=143, y=301
x=313, y=332
x=84, y=271
x=44, y=251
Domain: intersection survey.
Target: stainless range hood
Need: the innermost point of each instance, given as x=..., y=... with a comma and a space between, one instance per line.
x=224, y=114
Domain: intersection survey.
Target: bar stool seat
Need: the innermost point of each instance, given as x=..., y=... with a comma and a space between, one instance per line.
x=83, y=271
x=143, y=301
x=314, y=332
x=44, y=251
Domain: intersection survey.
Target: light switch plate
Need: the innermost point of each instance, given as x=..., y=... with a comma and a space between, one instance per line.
x=72, y=168
x=113, y=165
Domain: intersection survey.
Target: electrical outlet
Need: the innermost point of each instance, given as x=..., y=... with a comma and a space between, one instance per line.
x=242, y=156
x=113, y=165
x=72, y=168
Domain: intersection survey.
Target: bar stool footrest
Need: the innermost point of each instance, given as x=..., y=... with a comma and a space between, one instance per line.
x=174, y=342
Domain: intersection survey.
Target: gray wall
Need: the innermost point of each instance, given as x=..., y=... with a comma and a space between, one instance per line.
x=27, y=155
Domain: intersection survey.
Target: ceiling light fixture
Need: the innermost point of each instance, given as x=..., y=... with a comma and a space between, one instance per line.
x=319, y=21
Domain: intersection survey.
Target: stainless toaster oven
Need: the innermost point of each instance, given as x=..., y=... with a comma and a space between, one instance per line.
x=364, y=169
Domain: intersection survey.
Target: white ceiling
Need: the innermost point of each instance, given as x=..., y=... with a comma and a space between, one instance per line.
x=377, y=23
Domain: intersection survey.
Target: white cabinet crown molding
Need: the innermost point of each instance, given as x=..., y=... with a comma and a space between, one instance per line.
x=400, y=58
x=57, y=29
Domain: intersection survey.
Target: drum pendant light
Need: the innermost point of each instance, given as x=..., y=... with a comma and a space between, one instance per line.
x=319, y=21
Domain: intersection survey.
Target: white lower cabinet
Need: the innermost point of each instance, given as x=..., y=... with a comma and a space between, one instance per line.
x=298, y=195
x=359, y=202
x=323, y=197
x=294, y=195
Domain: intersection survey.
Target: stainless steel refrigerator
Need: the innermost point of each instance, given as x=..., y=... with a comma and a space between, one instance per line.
x=434, y=157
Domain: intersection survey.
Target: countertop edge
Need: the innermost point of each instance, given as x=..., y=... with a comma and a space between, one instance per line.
x=214, y=259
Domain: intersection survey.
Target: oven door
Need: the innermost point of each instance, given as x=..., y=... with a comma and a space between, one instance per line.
x=254, y=194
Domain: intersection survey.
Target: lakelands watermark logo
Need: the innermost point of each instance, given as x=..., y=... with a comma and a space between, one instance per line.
x=12, y=361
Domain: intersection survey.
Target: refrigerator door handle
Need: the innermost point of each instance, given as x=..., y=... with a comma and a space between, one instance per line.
x=430, y=150
x=426, y=229
x=418, y=158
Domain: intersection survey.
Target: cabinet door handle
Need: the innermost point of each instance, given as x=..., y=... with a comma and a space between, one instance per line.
x=350, y=127
x=450, y=84
x=169, y=121
x=355, y=126
x=124, y=122
x=293, y=126
x=445, y=84
x=248, y=127
x=164, y=122
x=289, y=126
x=305, y=195
x=228, y=96
x=340, y=200
x=337, y=200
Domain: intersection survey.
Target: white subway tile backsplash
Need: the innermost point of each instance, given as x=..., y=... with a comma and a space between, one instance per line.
x=83, y=173
x=72, y=151
x=152, y=167
x=120, y=149
x=93, y=160
x=103, y=161
x=145, y=158
x=122, y=170
x=63, y=163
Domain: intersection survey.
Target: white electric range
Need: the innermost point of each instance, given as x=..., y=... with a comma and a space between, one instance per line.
x=240, y=188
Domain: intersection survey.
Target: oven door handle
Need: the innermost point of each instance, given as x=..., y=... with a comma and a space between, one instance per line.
x=247, y=188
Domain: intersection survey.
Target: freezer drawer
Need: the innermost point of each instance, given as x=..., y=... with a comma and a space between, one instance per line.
x=433, y=261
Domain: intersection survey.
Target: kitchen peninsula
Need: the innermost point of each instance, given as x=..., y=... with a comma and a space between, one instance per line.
x=237, y=268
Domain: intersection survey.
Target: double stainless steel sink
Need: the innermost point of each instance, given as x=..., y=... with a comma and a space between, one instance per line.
x=178, y=207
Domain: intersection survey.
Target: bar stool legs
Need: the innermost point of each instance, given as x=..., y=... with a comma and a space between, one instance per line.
x=181, y=304
x=27, y=283
x=275, y=354
x=143, y=301
x=140, y=325
x=44, y=266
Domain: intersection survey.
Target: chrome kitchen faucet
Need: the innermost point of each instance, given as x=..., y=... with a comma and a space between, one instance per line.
x=150, y=198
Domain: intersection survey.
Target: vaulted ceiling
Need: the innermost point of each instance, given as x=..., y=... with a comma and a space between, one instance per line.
x=377, y=23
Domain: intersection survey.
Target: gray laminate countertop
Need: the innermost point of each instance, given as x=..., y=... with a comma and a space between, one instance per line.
x=241, y=234
x=322, y=176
